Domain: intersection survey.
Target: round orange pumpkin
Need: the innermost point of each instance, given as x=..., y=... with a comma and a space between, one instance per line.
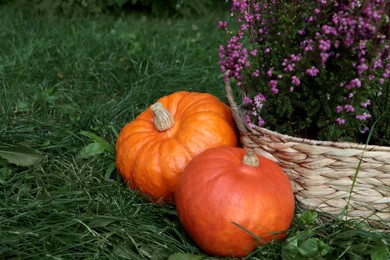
x=229, y=202
x=153, y=150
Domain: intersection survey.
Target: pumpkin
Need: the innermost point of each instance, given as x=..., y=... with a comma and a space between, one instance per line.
x=230, y=201
x=153, y=150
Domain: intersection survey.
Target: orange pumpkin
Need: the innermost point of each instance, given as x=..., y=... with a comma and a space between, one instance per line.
x=229, y=202
x=153, y=150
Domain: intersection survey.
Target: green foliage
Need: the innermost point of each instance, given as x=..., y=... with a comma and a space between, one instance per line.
x=298, y=247
x=381, y=109
x=317, y=237
x=82, y=8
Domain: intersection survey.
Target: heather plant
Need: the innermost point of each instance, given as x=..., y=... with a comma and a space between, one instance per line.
x=309, y=68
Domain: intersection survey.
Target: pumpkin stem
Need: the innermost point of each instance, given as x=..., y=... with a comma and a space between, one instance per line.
x=163, y=120
x=251, y=159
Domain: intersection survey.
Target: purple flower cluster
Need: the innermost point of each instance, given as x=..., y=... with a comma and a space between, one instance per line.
x=342, y=46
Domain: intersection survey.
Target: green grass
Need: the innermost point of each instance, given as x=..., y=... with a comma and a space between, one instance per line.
x=62, y=81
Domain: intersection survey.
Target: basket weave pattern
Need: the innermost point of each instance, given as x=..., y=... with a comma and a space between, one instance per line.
x=322, y=172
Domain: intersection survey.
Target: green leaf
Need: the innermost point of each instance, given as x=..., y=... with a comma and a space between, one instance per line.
x=102, y=221
x=114, y=130
x=5, y=173
x=23, y=107
x=125, y=253
x=380, y=252
x=91, y=150
x=311, y=248
x=290, y=249
x=20, y=155
x=309, y=217
x=183, y=256
x=97, y=139
x=350, y=234
x=110, y=168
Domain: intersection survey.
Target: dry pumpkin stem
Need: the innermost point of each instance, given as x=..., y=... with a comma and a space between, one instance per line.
x=251, y=159
x=163, y=120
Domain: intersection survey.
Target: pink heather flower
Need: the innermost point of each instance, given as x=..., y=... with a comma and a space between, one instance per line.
x=247, y=100
x=289, y=67
x=361, y=68
x=324, y=45
x=260, y=121
x=251, y=125
x=222, y=25
x=273, y=83
x=339, y=109
x=355, y=83
x=247, y=118
x=326, y=29
x=349, y=108
x=295, y=58
x=366, y=129
x=269, y=72
x=313, y=71
x=365, y=104
x=363, y=117
x=307, y=45
x=340, y=121
x=255, y=74
x=274, y=91
x=253, y=52
x=260, y=98
x=336, y=44
x=267, y=50
x=248, y=121
x=322, y=2
x=295, y=80
x=254, y=112
x=386, y=74
x=324, y=57
x=378, y=63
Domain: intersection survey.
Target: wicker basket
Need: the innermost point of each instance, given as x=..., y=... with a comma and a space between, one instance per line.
x=322, y=172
